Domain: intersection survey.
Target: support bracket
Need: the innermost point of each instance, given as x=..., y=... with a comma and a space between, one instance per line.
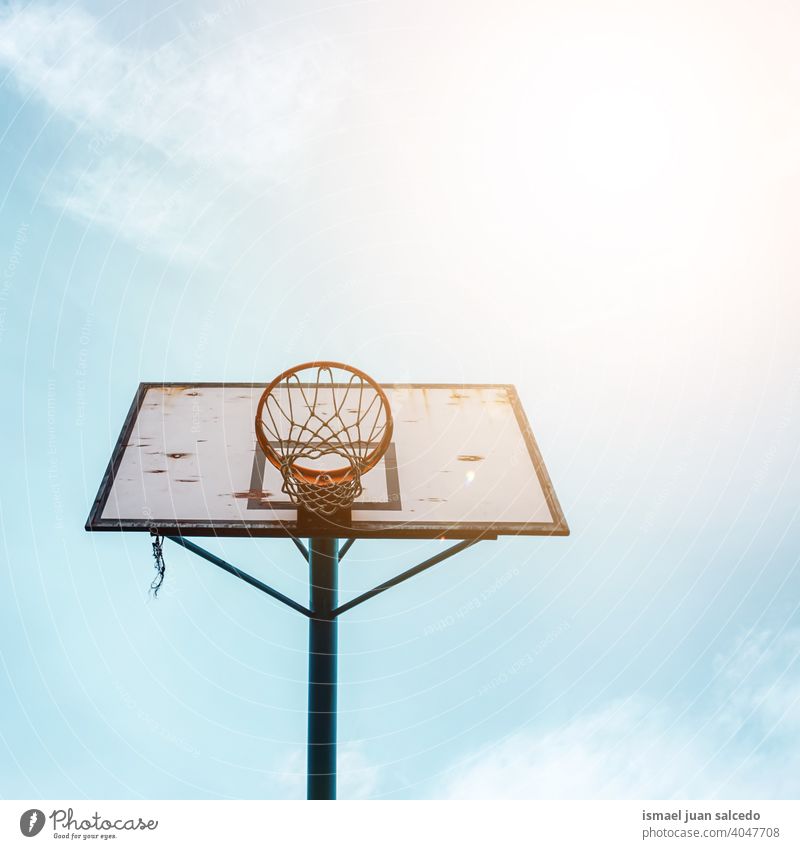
x=404, y=576
x=233, y=570
x=342, y=608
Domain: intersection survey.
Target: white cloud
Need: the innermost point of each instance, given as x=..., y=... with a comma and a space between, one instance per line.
x=744, y=745
x=234, y=104
x=763, y=683
x=592, y=757
x=633, y=749
x=172, y=210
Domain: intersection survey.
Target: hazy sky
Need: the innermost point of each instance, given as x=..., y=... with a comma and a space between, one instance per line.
x=595, y=201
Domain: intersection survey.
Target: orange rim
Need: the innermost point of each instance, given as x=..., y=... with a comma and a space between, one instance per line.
x=334, y=476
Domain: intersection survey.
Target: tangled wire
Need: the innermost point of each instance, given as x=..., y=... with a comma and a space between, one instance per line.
x=158, y=556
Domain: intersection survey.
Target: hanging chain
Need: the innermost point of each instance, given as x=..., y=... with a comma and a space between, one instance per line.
x=158, y=556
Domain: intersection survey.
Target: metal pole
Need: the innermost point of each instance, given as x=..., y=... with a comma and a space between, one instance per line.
x=322, y=647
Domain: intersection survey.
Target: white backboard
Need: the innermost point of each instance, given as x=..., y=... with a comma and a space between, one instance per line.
x=462, y=463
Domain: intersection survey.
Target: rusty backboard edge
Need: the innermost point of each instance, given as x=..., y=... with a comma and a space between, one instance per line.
x=377, y=530
x=559, y=520
x=359, y=530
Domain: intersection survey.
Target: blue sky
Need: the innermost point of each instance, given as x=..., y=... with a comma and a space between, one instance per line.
x=595, y=202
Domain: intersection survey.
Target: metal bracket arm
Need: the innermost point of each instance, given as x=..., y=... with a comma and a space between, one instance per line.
x=404, y=576
x=343, y=608
x=304, y=551
x=233, y=570
x=300, y=547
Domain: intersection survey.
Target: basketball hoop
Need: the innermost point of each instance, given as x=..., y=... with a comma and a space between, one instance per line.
x=185, y=465
x=323, y=425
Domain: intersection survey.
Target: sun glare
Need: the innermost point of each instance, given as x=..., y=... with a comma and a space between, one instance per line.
x=618, y=140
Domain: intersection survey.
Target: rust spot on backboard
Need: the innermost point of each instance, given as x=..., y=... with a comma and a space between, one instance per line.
x=456, y=398
x=252, y=493
x=157, y=472
x=177, y=455
x=187, y=480
x=470, y=458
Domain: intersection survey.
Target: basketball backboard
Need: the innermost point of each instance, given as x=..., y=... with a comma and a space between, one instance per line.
x=462, y=463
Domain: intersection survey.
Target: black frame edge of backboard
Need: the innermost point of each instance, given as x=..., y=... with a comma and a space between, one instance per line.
x=361, y=530
x=94, y=522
